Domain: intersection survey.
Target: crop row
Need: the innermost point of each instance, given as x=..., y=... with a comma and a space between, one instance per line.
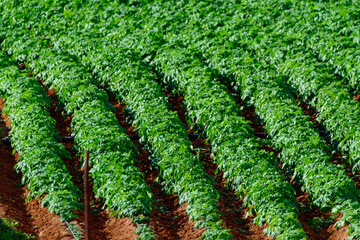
x=115, y=177
x=302, y=148
x=180, y=171
x=262, y=171
x=35, y=138
x=261, y=56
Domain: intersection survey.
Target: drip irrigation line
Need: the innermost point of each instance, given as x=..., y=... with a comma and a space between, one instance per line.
x=6, y=140
x=72, y=229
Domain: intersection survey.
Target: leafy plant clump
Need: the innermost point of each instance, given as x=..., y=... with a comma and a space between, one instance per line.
x=268, y=51
x=35, y=138
x=8, y=231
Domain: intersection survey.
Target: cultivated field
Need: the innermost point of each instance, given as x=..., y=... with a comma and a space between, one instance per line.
x=203, y=119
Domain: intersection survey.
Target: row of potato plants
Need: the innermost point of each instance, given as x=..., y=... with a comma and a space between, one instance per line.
x=248, y=72
x=166, y=137
x=219, y=131
x=163, y=131
x=331, y=30
x=341, y=175
x=252, y=173
x=317, y=83
x=287, y=125
x=36, y=140
x=282, y=44
x=289, y=120
x=116, y=179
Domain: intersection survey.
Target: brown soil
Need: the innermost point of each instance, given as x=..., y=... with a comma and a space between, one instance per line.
x=311, y=112
x=169, y=219
x=31, y=217
x=356, y=97
x=101, y=225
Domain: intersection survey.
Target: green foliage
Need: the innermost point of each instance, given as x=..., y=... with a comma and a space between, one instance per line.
x=318, y=223
x=8, y=231
x=75, y=230
x=303, y=151
x=116, y=179
x=164, y=134
x=253, y=173
x=161, y=129
x=268, y=50
x=35, y=138
x=256, y=68
x=144, y=230
x=129, y=80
